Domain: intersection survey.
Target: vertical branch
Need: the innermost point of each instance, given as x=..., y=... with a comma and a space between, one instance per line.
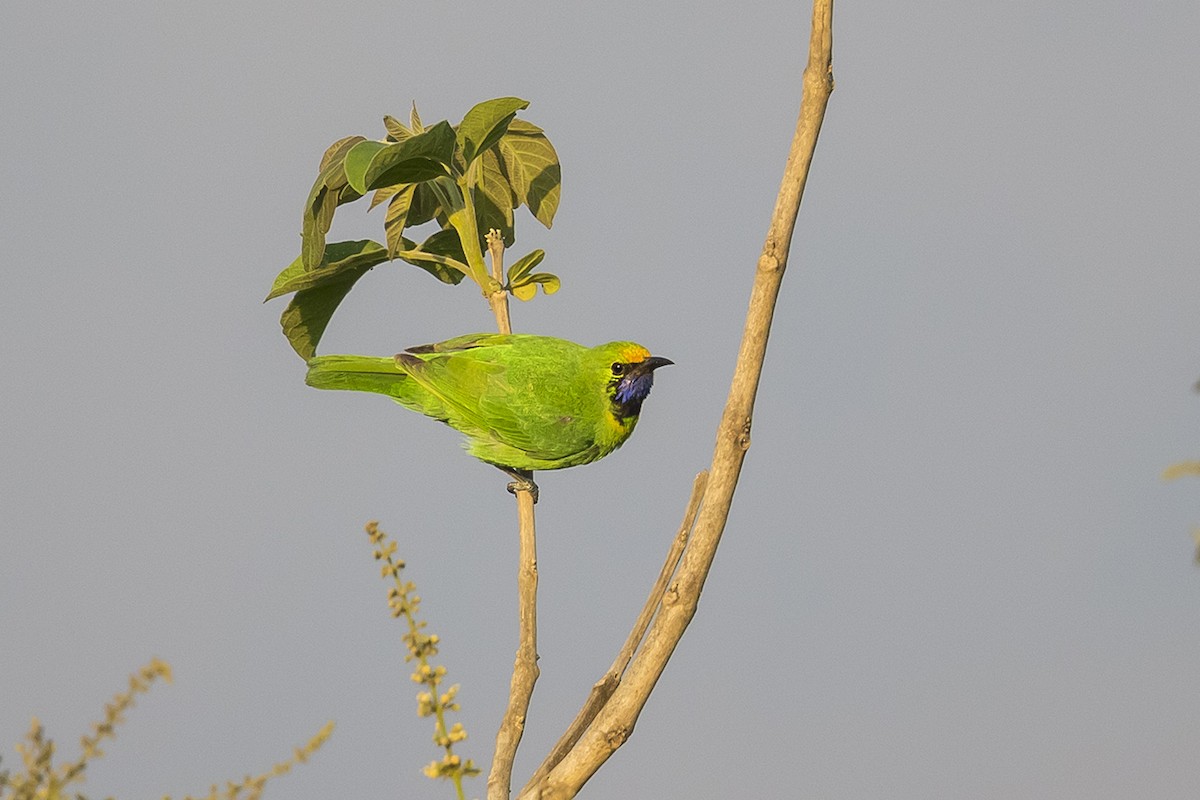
x=525, y=668
x=614, y=723
x=498, y=300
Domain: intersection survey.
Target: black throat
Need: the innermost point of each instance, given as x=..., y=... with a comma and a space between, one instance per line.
x=628, y=409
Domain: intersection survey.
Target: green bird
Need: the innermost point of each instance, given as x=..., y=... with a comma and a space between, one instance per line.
x=523, y=402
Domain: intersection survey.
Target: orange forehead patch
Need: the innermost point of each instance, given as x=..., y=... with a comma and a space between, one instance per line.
x=633, y=354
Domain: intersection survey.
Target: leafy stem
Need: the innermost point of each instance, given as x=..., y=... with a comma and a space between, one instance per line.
x=467, y=178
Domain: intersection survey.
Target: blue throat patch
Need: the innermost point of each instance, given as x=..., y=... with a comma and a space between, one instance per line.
x=633, y=389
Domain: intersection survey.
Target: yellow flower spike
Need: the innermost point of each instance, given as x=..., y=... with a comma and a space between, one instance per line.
x=45, y=781
x=1179, y=470
x=403, y=601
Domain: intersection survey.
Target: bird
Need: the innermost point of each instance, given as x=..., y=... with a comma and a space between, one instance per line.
x=523, y=402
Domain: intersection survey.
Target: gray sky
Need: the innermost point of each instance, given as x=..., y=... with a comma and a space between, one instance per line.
x=951, y=568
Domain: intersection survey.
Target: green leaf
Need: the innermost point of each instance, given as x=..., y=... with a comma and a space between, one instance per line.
x=525, y=292
x=525, y=288
x=358, y=158
x=415, y=119
x=337, y=151
x=397, y=131
x=383, y=195
x=306, y=317
x=484, y=124
x=531, y=164
x=440, y=267
x=341, y=258
x=421, y=157
x=425, y=205
x=494, y=200
x=397, y=217
x=446, y=243
x=550, y=283
x=441, y=255
x=524, y=265
x=328, y=192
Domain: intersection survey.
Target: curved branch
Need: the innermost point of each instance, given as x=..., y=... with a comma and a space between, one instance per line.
x=615, y=721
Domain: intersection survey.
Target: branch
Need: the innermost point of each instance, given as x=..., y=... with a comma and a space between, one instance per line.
x=604, y=688
x=525, y=668
x=615, y=721
x=498, y=300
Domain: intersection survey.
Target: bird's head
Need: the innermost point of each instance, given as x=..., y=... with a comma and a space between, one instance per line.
x=630, y=369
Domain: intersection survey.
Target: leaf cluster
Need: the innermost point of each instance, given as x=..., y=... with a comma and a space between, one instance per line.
x=467, y=178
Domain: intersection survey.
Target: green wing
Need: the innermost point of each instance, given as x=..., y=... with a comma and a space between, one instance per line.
x=515, y=396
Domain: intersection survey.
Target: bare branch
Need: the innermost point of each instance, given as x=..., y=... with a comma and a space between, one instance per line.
x=615, y=721
x=603, y=688
x=525, y=668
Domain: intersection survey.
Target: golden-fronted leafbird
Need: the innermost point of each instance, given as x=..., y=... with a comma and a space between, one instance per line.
x=523, y=402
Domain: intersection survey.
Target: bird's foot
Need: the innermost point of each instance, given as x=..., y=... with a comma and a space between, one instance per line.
x=522, y=481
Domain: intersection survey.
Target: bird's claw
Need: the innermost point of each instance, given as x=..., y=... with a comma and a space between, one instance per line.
x=523, y=484
x=522, y=481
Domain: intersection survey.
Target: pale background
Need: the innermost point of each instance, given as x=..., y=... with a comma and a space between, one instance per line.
x=951, y=569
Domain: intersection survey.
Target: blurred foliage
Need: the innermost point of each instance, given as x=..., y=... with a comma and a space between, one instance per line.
x=42, y=779
x=1178, y=471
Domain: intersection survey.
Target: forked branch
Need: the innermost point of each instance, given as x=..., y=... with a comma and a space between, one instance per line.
x=604, y=688
x=614, y=722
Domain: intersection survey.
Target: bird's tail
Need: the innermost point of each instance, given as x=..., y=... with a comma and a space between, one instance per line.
x=357, y=373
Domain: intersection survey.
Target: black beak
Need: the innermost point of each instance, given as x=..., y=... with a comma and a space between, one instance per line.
x=654, y=362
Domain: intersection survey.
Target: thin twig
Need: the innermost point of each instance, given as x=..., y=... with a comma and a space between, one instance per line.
x=603, y=688
x=615, y=721
x=525, y=668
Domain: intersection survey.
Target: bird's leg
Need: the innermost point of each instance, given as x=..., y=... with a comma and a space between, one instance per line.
x=522, y=481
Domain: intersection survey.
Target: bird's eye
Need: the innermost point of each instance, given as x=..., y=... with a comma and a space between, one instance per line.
x=618, y=368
